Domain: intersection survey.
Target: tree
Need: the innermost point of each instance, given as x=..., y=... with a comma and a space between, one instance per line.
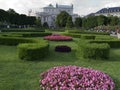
x=45, y=25
x=102, y=20
x=69, y=23
x=61, y=19
x=38, y=23
x=114, y=21
x=78, y=22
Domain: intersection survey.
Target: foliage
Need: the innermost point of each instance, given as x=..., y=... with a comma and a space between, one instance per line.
x=69, y=23
x=45, y=25
x=94, y=51
x=87, y=36
x=78, y=22
x=113, y=43
x=38, y=23
x=11, y=17
x=32, y=51
x=61, y=19
x=75, y=35
x=75, y=78
x=62, y=48
x=13, y=40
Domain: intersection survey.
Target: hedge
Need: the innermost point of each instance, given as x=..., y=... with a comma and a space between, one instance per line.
x=22, y=30
x=93, y=50
x=32, y=51
x=14, y=40
x=72, y=35
x=87, y=32
x=28, y=34
x=87, y=36
x=112, y=43
x=28, y=49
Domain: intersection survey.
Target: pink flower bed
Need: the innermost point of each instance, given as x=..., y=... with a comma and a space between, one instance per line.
x=57, y=37
x=75, y=78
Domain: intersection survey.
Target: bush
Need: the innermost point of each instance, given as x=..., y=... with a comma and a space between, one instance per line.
x=87, y=36
x=87, y=32
x=32, y=51
x=13, y=40
x=40, y=34
x=94, y=50
x=75, y=78
x=28, y=49
x=26, y=34
x=21, y=30
x=62, y=48
x=112, y=43
x=72, y=35
x=58, y=38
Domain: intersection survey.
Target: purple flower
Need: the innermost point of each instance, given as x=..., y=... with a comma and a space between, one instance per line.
x=75, y=78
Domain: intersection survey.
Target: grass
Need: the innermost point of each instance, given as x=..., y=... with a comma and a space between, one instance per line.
x=16, y=74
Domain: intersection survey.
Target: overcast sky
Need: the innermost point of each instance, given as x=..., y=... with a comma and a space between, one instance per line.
x=81, y=7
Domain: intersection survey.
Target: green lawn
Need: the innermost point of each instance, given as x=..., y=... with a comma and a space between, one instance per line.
x=16, y=74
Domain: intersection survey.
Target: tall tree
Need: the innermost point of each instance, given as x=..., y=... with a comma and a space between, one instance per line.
x=69, y=23
x=78, y=22
x=61, y=19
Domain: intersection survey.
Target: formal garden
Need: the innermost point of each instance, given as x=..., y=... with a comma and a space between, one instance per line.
x=79, y=55
x=54, y=60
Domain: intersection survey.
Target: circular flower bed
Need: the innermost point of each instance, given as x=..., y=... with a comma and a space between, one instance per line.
x=75, y=78
x=57, y=37
x=62, y=48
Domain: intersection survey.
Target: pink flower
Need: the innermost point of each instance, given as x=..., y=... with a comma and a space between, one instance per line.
x=75, y=78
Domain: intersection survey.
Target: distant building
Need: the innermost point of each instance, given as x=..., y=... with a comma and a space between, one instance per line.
x=114, y=11
x=50, y=13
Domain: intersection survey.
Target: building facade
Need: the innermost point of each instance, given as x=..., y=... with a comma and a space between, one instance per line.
x=50, y=13
x=113, y=11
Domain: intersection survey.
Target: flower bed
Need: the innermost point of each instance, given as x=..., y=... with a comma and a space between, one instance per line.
x=57, y=37
x=62, y=48
x=75, y=78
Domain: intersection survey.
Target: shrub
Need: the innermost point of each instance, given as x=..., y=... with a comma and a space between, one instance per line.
x=32, y=51
x=13, y=40
x=72, y=35
x=28, y=49
x=75, y=78
x=87, y=36
x=22, y=30
x=94, y=50
x=112, y=43
x=87, y=32
x=58, y=38
x=62, y=48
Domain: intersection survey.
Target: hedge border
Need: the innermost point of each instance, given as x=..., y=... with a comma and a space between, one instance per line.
x=28, y=49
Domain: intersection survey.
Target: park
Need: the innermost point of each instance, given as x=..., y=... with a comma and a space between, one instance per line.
x=34, y=56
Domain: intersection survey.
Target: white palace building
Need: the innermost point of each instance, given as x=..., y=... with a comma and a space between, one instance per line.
x=50, y=13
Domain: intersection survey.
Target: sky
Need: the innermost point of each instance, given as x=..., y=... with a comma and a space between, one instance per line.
x=81, y=7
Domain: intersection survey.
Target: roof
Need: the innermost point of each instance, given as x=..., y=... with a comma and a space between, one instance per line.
x=65, y=6
x=109, y=10
x=50, y=6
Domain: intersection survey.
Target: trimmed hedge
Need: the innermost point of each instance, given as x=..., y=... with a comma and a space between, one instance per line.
x=88, y=32
x=88, y=36
x=28, y=49
x=94, y=50
x=22, y=30
x=32, y=51
x=14, y=40
x=112, y=43
x=72, y=35
x=26, y=34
